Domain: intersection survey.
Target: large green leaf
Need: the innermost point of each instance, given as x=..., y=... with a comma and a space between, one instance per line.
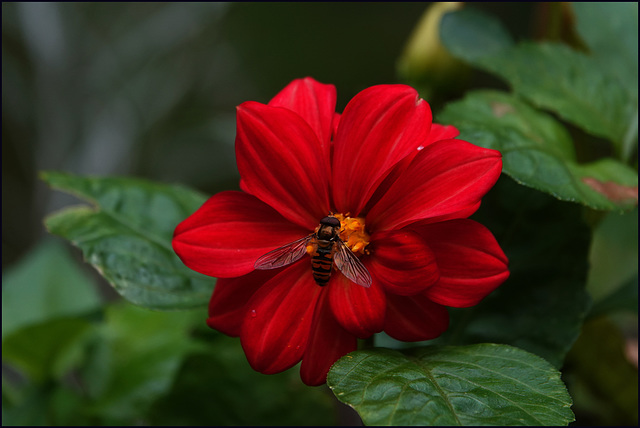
x=538, y=152
x=46, y=284
x=567, y=82
x=127, y=235
x=551, y=76
x=485, y=384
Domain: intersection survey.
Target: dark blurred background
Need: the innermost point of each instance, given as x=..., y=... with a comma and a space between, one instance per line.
x=150, y=89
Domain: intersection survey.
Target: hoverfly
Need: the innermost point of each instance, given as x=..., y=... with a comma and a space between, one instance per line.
x=327, y=249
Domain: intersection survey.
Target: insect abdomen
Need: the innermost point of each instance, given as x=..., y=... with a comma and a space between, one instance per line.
x=322, y=263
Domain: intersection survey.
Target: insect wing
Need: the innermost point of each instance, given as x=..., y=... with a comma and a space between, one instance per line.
x=351, y=266
x=284, y=255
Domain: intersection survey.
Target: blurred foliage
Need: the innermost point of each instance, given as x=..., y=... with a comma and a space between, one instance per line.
x=131, y=366
x=604, y=385
x=149, y=90
x=614, y=256
x=46, y=284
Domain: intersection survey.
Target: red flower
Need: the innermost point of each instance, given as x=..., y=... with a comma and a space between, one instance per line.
x=402, y=188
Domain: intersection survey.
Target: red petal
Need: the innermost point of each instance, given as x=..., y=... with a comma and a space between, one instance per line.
x=445, y=177
x=415, y=318
x=226, y=235
x=380, y=126
x=334, y=126
x=314, y=102
x=463, y=213
x=358, y=309
x=282, y=163
x=441, y=132
x=471, y=262
x=227, y=307
x=437, y=133
x=402, y=262
x=328, y=342
x=278, y=318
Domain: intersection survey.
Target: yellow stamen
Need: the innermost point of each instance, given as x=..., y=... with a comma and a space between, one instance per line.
x=353, y=233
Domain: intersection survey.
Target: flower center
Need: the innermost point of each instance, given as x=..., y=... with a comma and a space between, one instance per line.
x=353, y=233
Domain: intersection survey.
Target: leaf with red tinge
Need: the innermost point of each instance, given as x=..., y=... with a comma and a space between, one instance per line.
x=552, y=76
x=537, y=151
x=613, y=191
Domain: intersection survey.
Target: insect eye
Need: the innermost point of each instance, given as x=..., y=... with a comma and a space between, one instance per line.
x=330, y=221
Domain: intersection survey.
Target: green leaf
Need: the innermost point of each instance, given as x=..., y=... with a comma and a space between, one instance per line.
x=550, y=76
x=47, y=350
x=484, y=384
x=569, y=83
x=31, y=410
x=127, y=237
x=610, y=30
x=470, y=34
x=613, y=256
x=134, y=360
x=625, y=298
x=45, y=284
x=538, y=152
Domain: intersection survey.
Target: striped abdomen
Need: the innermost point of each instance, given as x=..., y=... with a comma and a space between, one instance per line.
x=322, y=262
